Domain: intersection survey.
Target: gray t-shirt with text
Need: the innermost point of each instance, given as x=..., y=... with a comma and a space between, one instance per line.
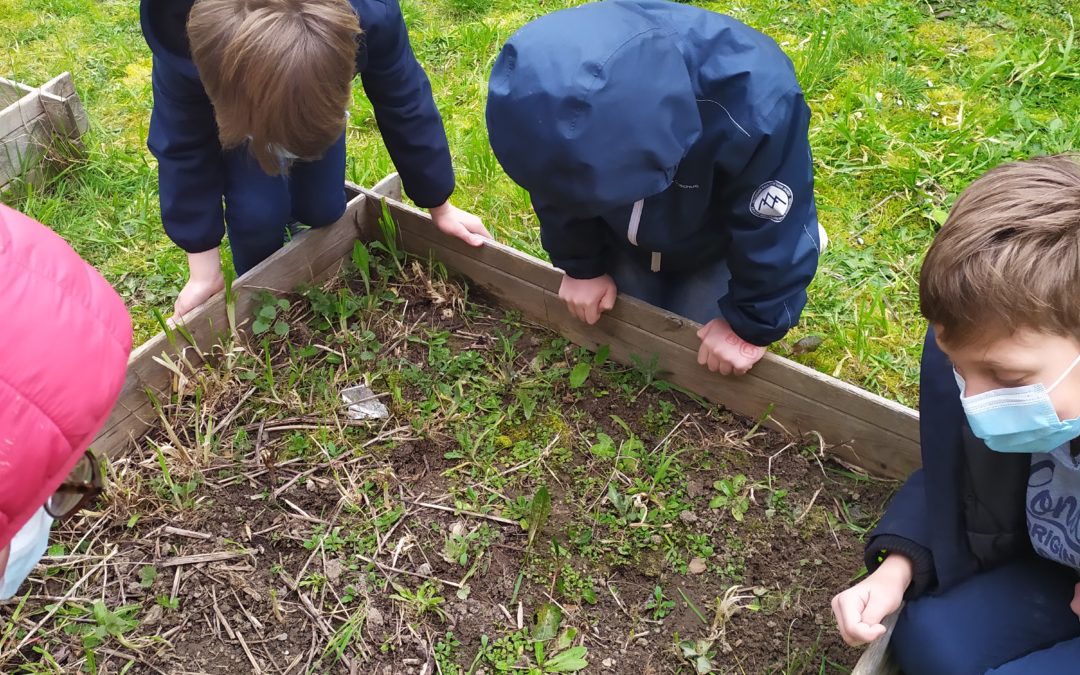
x=1053, y=506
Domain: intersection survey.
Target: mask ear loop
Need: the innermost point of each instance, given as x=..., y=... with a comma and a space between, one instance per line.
x=1063, y=375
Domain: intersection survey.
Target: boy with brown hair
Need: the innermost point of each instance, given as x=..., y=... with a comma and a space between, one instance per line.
x=983, y=542
x=251, y=100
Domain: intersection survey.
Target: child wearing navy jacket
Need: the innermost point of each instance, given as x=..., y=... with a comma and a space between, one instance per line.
x=249, y=118
x=665, y=151
x=983, y=542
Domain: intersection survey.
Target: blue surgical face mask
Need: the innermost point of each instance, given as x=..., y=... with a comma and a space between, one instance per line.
x=1019, y=419
x=25, y=550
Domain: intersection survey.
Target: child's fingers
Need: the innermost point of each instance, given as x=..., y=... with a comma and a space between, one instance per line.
x=718, y=364
x=478, y=228
x=592, y=313
x=574, y=310
x=607, y=302
x=863, y=633
x=703, y=353
x=849, y=608
x=878, y=606
x=846, y=616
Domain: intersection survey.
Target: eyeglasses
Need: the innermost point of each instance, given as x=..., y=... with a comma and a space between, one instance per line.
x=82, y=486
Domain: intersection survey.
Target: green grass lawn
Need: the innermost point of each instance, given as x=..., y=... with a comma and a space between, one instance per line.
x=911, y=101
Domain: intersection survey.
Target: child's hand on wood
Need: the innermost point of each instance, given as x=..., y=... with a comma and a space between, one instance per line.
x=724, y=352
x=461, y=224
x=859, y=610
x=587, y=299
x=204, y=280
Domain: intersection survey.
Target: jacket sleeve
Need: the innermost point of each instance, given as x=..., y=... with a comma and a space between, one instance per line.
x=772, y=219
x=904, y=530
x=575, y=245
x=183, y=137
x=405, y=111
x=927, y=513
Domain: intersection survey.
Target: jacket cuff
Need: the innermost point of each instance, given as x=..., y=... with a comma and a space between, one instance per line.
x=922, y=561
x=431, y=198
x=191, y=244
x=581, y=268
x=746, y=328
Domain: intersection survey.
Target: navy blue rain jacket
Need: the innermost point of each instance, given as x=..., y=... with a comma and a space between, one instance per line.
x=593, y=108
x=184, y=139
x=963, y=512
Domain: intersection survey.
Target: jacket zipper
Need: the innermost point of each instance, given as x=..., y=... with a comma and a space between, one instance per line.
x=635, y=221
x=632, y=232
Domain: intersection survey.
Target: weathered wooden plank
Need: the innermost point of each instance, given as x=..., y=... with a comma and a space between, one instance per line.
x=34, y=121
x=21, y=152
x=389, y=187
x=21, y=112
x=314, y=256
x=63, y=107
x=868, y=430
x=10, y=92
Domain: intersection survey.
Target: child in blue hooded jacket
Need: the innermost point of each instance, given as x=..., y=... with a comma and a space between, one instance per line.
x=665, y=151
x=249, y=119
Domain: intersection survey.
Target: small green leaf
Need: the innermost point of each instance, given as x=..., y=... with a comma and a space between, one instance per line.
x=539, y=510
x=361, y=257
x=717, y=501
x=260, y=326
x=281, y=329
x=546, y=622
x=579, y=374
x=570, y=661
x=147, y=575
x=566, y=638
x=589, y=596
x=267, y=312
x=528, y=403
x=703, y=665
x=602, y=354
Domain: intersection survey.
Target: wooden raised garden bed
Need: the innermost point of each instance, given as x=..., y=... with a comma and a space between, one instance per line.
x=858, y=427
x=677, y=537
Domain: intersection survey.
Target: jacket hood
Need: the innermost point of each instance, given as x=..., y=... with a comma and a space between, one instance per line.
x=592, y=108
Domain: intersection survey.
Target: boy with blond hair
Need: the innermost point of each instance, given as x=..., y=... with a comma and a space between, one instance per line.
x=983, y=542
x=251, y=101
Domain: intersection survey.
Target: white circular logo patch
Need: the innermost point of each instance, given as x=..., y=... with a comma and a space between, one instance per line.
x=772, y=201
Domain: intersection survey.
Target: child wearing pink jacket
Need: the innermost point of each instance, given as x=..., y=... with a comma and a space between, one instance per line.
x=63, y=357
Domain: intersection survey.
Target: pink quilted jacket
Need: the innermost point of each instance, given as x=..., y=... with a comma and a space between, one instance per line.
x=65, y=337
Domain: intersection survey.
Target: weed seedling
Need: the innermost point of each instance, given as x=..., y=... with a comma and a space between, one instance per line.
x=539, y=510
x=734, y=495
x=421, y=602
x=659, y=604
